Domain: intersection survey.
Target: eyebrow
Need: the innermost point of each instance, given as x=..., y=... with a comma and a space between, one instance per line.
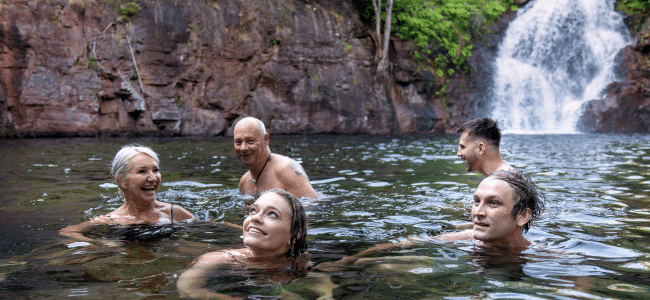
x=494, y=197
x=146, y=167
x=269, y=207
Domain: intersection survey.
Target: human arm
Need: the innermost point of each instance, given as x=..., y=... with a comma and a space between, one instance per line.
x=246, y=184
x=76, y=231
x=294, y=180
x=408, y=242
x=455, y=236
x=191, y=284
x=182, y=215
x=350, y=260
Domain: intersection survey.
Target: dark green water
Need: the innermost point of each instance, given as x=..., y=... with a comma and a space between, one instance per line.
x=593, y=240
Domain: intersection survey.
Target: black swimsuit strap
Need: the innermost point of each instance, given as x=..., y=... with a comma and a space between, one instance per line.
x=171, y=209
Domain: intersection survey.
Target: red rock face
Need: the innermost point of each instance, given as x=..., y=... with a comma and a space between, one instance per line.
x=196, y=67
x=626, y=108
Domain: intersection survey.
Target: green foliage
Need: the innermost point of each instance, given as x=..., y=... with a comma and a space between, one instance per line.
x=631, y=7
x=444, y=23
x=510, y=4
x=129, y=9
x=91, y=63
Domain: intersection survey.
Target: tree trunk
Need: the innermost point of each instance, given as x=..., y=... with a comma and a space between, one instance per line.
x=383, y=62
x=376, y=4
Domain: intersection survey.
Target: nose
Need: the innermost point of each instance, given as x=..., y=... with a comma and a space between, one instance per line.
x=458, y=153
x=151, y=176
x=256, y=218
x=478, y=210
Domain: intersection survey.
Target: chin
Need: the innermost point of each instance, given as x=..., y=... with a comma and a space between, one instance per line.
x=479, y=236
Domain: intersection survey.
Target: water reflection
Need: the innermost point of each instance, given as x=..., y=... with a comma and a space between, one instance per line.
x=593, y=236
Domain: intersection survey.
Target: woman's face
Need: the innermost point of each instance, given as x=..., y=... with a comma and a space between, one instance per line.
x=142, y=179
x=267, y=229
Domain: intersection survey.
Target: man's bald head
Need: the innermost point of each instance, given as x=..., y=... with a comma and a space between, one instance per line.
x=249, y=122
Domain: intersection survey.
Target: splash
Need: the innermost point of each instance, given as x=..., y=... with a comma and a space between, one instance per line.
x=556, y=55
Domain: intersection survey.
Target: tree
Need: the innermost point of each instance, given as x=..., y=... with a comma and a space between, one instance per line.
x=382, y=48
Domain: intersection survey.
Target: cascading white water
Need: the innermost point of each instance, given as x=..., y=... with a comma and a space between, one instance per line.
x=556, y=55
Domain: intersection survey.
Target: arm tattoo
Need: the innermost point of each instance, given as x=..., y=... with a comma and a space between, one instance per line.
x=297, y=168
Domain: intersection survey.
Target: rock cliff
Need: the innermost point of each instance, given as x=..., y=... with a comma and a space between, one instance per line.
x=626, y=105
x=165, y=67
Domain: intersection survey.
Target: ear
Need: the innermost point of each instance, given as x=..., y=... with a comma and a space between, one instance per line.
x=267, y=138
x=524, y=216
x=118, y=181
x=481, y=147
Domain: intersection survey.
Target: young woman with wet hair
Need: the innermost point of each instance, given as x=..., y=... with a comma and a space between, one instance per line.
x=274, y=234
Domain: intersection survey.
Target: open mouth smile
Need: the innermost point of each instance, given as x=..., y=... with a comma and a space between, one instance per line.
x=480, y=224
x=256, y=230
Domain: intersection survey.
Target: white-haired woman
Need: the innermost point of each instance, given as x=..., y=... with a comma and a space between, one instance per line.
x=137, y=175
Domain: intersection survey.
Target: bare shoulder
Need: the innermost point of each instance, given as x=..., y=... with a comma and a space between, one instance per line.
x=456, y=236
x=216, y=256
x=219, y=257
x=181, y=214
x=288, y=167
x=292, y=177
x=104, y=219
x=245, y=182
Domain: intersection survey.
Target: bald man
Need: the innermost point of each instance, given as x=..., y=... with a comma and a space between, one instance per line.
x=267, y=170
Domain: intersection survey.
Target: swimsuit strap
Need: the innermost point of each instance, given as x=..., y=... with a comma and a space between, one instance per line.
x=111, y=219
x=171, y=209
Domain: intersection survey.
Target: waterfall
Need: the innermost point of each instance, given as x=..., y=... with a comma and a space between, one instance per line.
x=555, y=56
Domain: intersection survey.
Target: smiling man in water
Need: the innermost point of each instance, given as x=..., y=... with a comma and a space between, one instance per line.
x=267, y=170
x=479, y=146
x=505, y=203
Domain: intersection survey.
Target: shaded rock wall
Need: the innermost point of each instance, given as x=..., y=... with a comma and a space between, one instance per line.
x=194, y=67
x=626, y=106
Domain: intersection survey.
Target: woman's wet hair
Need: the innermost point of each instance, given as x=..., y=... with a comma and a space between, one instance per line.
x=527, y=194
x=298, y=239
x=126, y=154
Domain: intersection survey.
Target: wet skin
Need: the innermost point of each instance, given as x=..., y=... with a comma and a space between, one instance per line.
x=267, y=229
x=251, y=147
x=467, y=151
x=491, y=215
x=142, y=180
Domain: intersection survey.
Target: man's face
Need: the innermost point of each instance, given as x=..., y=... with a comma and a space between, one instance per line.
x=249, y=143
x=493, y=203
x=467, y=151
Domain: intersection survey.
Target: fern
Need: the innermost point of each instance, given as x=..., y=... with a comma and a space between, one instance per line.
x=443, y=23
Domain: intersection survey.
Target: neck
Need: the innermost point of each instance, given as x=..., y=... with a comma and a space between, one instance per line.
x=514, y=243
x=493, y=164
x=257, y=170
x=137, y=208
x=278, y=255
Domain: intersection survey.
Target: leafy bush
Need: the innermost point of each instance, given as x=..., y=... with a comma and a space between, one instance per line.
x=445, y=22
x=128, y=10
x=634, y=6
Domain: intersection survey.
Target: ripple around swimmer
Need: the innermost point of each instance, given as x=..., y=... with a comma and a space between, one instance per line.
x=595, y=249
x=378, y=184
x=190, y=184
x=323, y=181
x=584, y=218
x=108, y=185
